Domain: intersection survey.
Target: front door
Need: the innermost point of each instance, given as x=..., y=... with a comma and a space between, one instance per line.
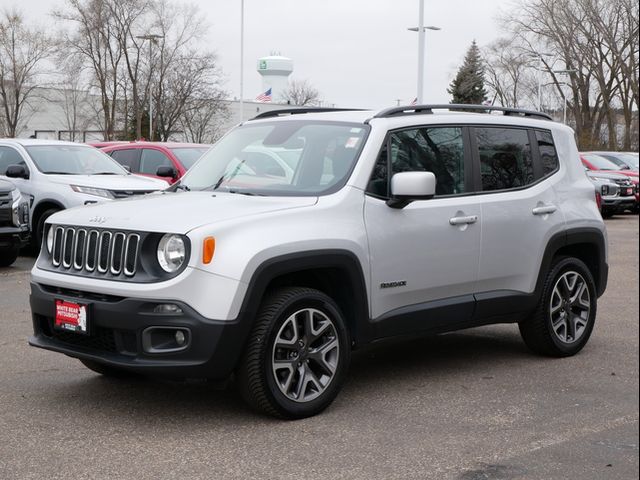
x=424, y=257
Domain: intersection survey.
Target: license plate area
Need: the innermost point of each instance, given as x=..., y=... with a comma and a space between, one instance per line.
x=71, y=317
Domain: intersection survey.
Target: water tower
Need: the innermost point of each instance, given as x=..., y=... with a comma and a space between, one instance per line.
x=275, y=71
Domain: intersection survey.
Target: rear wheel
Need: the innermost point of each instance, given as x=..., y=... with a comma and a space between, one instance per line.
x=564, y=319
x=8, y=256
x=297, y=354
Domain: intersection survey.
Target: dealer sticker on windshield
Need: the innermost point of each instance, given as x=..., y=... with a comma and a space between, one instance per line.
x=71, y=316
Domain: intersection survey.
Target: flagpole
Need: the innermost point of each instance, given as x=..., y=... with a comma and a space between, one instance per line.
x=241, y=59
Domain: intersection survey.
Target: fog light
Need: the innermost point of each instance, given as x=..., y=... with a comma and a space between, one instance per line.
x=168, y=309
x=165, y=339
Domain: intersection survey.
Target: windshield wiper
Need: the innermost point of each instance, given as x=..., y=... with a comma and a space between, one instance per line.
x=249, y=194
x=105, y=173
x=52, y=172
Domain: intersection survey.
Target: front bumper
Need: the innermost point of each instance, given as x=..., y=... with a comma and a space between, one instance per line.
x=12, y=237
x=116, y=326
x=619, y=203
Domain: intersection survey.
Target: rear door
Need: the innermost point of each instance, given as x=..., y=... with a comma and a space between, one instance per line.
x=518, y=168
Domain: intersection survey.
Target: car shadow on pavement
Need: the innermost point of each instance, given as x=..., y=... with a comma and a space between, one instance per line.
x=199, y=403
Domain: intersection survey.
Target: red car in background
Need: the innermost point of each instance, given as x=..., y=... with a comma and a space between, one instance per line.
x=157, y=159
x=598, y=163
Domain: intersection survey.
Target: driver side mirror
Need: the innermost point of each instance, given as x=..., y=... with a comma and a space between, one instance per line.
x=17, y=171
x=167, y=172
x=409, y=186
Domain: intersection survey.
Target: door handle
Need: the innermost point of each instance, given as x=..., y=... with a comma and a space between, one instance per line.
x=544, y=210
x=463, y=220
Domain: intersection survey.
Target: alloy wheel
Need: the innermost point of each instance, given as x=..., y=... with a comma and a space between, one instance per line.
x=569, y=307
x=305, y=355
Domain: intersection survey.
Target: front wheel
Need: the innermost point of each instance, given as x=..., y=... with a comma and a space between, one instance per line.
x=8, y=256
x=39, y=228
x=297, y=354
x=565, y=316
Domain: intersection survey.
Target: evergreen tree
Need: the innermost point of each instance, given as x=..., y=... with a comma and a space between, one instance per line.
x=468, y=86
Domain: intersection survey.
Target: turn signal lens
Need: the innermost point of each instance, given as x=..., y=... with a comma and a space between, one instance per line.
x=208, y=248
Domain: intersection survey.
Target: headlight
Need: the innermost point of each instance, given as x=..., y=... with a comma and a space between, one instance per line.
x=50, y=239
x=19, y=209
x=98, y=192
x=171, y=252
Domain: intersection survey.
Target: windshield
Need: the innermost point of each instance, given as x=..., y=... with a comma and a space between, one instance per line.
x=73, y=160
x=630, y=159
x=600, y=163
x=280, y=158
x=188, y=156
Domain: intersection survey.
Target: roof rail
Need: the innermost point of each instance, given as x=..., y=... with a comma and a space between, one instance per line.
x=296, y=111
x=453, y=107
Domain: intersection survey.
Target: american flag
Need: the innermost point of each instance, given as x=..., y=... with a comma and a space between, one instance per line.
x=264, y=97
x=414, y=101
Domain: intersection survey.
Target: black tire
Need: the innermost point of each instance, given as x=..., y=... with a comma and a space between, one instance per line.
x=36, y=243
x=256, y=374
x=538, y=331
x=607, y=213
x=106, y=370
x=8, y=256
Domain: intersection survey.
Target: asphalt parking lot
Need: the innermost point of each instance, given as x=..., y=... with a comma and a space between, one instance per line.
x=469, y=405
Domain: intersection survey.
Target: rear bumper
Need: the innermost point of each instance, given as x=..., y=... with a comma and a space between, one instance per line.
x=116, y=335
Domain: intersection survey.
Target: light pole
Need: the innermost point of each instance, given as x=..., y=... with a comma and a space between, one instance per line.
x=564, y=95
x=421, y=39
x=153, y=38
x=241, y=58
x=539, y=57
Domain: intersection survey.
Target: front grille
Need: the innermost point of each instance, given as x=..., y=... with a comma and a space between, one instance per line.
x=5, y=209
x=129, y=193
x=104, y=252
x=624, y=182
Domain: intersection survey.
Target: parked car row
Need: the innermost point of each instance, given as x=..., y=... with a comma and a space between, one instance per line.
x=607, y=169
x=41, y=177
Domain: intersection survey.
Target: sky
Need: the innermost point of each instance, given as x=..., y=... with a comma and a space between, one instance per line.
x=356, y=53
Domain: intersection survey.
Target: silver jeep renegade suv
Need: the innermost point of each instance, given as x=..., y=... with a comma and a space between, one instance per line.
x=304, y=234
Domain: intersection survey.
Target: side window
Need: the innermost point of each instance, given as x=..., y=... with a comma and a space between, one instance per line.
x=548, y=154
x=439, y=150
x=505, y=158
x=127, y=158
x=9, y=156
x=150, y=160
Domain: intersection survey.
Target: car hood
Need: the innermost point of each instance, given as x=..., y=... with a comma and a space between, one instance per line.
x=628, y=173
x=110, y=182
x=6, y=186
x=605, y=174
x=175, y=212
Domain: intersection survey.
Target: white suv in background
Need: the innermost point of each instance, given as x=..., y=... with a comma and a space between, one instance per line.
x=407, y=221
x=56, y=175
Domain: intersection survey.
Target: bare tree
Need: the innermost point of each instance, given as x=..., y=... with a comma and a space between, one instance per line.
x=508, y=73
x=74, y=98
x=183, y=74
x=94, y=38
x=301, y=93
x=23, y=50
x=203, y=118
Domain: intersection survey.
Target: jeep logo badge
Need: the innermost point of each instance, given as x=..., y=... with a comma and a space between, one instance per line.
x=99, y=220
